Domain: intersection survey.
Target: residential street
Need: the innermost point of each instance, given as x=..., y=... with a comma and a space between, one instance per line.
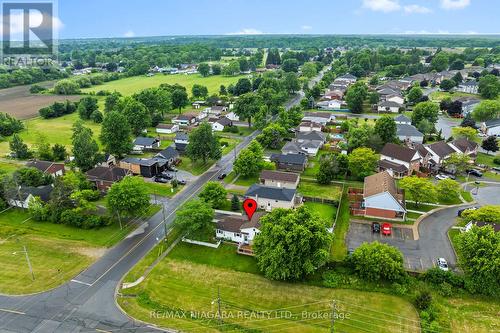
x=87, y=302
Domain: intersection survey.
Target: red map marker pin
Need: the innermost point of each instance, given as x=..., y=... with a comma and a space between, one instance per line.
x=250, y=206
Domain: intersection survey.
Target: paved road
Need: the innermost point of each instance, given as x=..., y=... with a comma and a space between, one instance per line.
x=419, y=254
x=87, y=302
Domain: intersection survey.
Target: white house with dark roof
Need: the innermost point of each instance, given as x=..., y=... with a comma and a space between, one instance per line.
x=399, y=161
x=388, y=106
x=491, y=127
x=144, y=143
x=402, y=119
x=398, y=99
x=309, y=126
x=470, y=87
x=409, y=133
x=221, y=123
x=439, y=152
x=319, y=117
x=270, y=197
x=464, y=146
x=279, y=179
x=167, y=128
x=25, y=194
x=239, y=229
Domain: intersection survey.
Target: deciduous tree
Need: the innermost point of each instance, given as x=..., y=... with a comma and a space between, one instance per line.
x=490, y=144
x=85, y=148
x=116, y=134
x=362, y=162
x=376, y=261
x=385, y=127
x=128, y=197
x=418, y=189
x=194, y=215
x=214, y=194
x=203, y=144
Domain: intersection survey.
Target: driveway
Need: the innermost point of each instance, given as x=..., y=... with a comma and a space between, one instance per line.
x=487, y=195
x=421, y=254
x=445, y=124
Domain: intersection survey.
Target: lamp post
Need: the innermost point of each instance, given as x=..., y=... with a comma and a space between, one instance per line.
x=25, y=251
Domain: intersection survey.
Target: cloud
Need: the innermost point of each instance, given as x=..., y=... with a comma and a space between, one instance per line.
x=454, y=4
x=416, y=9
x=385, y=6
x=129, y=34
x=306, y=27
x=247, y=31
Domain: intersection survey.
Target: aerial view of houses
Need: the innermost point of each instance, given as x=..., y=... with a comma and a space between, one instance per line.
x=237, y=167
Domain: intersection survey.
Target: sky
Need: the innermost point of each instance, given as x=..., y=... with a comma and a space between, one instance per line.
x=138, y=18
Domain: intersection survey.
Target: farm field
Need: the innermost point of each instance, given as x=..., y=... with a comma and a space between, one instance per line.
x=131, y=85
x=187, y=280
x=56, y=130
x=20, y=103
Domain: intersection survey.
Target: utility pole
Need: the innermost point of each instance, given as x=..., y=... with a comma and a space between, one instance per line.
x=26, y=254
x=332, y=327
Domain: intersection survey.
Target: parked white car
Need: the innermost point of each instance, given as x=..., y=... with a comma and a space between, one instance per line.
x=441, y=177
x=442, y=264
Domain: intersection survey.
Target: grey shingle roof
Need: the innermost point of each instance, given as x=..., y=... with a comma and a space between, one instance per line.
x=402, y=119
x=168, y=153
x=295, y=159
x=441, y=148
x=144, y=141
x=43, y=192
x=407, y=130
x=315, y=136
x=274, y=193
x=492, y=123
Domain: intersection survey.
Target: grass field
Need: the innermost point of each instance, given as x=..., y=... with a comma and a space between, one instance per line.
x=338, y=250
x=162, y=190
x=312, y=189
x=57, y=130
x=326, y=211
x=187, y=280
x=194, y=168
x=131, y=85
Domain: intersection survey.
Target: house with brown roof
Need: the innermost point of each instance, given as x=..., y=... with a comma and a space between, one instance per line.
x=239, y=229
x=47, y=167
x=399, y=161
x=439, y=152
x=279, y=179
x=103, y=177
x=382, y=198
x=464, y=146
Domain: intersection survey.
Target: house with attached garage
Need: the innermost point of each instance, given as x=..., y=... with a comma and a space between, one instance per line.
x=322, y=118
x=398, y=99
x=382, y=198
x=399, y=161
x=279, y=179
x=388, y=106
x=269, y=198
x=308, y=147
x=181, y=141
x=47, y=167
x=233, y=116
x=333, y=104
x=24, y=195
x=439, y=152
x=218, y=125
x=309, y=126
x=146, y=167
x=185, y=119
x=167, y=128
x=239, y=229
x=491, y=127
x=333, y=95
x=103, y=177
x=464, y=146
x=169, y=154
x=402, y=119
x=311, y=136
x=143, y=143
x=290, y=162
x=409, y=134
x=349, y=78
x=215, y=110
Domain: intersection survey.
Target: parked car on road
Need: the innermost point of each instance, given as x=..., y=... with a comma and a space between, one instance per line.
x=159, y=179
x=442, y=264
x=441, y=177
x=386, y=229
x=181, y=182
x=376, y=227
x=166, y=175
x=222, y=176
x=460, y=211
x=475, y=172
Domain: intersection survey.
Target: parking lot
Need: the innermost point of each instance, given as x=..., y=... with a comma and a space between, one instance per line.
x=416, y=258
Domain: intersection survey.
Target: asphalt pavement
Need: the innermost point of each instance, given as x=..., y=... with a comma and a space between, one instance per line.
x=87, y=302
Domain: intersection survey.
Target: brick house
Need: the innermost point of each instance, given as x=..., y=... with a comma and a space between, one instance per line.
x=103, y=177
x=381, y=197
x=399, y=161
x=47, y=167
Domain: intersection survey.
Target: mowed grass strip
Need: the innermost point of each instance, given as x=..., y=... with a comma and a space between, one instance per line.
x=188, y=287
x=131, y=85
x=313, y=189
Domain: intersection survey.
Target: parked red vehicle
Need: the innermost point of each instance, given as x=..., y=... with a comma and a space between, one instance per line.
x=386, y=229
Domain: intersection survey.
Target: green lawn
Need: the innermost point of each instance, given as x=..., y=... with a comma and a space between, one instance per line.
x=57, y=130
x=162, y=190
x=338, y=250
x=231, y=144
x=8, y=167
x=242, y=181
x=486, y=159
x=326, y=211
x=312, y=189
x=467, y=196
x=131, y=85
x=440, y=95
x=187, y=281
x=194, y=168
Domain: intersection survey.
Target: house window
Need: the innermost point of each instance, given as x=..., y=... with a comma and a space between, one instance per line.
x=237, y=234
x=219, y=231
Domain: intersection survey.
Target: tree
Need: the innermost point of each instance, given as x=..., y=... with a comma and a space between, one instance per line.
x=66, y=87
x=478, y=252
x=486, y=110
x=203, y=144
x=9, y=125
x=43, y=147
x=204, y=69
x=222, y=90
x=291, y=82
x=489, y=86
x=214, y=194
x=458, y=64
x=194, y=215
x=111, y=101
x=59, y=152
x=272, y=136
x=199, y=91
x=488, y=213
x=31, y=177
x=425, y=110
x=355, y=97
x=247, y=106
x=414, y=95
x=386, y=129
x=374, y=97
x=439, y=62
x=447, y=85
x=235, y=203
x=136, y=114
x=328, y=168
x=232, y=68
x=290, y=65
x=457, y=162
x=362, y=162
x=359, y=136
x=418, y=189
x=376, y=261
x=468, y=133
x=490, y=144
x=19, y=148
x=87, y=106
x=458, y=78
x=156, y=100
x=425, y=126
x=179, y=99
x=468, y=121
x=309, y=70
x=116, y=134
x=291, y=244
x=128, y=198
x=454, y=108
x=249, y=161
x=243, y=86
x=216, y=69
x=448, y=190
x=85, y=148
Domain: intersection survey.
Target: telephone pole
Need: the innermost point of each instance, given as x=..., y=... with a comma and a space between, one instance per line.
x=332, y=327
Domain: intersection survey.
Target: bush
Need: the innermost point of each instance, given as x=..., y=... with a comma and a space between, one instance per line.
x=437, y=276
x=445, y=289
x=399, y=289
x=496, y=160
x=423, y=300
x=35, y=89
x=79, y=219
